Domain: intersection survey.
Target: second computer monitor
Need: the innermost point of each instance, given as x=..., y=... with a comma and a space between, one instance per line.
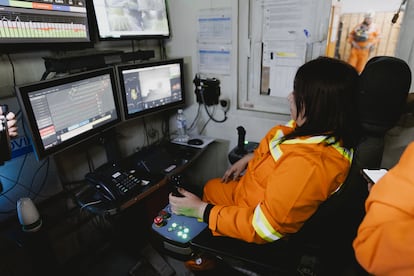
x=152, y=87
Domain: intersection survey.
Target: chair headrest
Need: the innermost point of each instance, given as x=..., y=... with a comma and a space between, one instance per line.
x=384, y=86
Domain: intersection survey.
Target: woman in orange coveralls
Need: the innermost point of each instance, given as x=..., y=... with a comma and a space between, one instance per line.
x=295, y=168
x=384, y=243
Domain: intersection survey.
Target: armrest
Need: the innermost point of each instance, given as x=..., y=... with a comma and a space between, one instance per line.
x=277, y=257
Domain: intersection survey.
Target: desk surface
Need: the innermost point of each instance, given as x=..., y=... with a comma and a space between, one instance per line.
x=155, y=164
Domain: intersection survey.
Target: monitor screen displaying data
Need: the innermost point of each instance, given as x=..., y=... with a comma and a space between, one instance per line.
x=151, y=87
x=65, y=111
x=43, y=22
x=131, y=19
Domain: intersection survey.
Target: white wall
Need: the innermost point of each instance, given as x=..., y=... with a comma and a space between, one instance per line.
x=357, y=6
x=183, y=17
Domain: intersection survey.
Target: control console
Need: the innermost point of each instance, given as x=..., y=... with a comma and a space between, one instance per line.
x=177, y=228
x=176, y=231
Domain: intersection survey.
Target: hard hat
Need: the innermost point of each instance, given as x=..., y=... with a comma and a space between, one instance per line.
x=369, y=14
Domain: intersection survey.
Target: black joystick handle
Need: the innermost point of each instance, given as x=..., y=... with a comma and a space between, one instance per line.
x=176, y=182
x=240, y=142
x=4, y=109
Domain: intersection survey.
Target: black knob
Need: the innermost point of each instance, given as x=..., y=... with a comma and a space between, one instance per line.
x=240, y=142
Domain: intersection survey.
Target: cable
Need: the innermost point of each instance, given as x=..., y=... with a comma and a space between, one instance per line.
x=208, y=113
x=202, y=129
x=90, y=203
x=47, y=162
x=13, y=72
x=397, y=14
x=146, y=131
x=193, y=124
x=165, y=127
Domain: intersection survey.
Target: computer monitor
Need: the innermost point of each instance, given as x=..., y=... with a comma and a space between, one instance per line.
x=64, y=111
x=147, y=88
x=139, y=19
x=43, y=24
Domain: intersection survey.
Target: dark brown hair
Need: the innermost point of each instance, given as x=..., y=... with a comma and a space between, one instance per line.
x=326, y=90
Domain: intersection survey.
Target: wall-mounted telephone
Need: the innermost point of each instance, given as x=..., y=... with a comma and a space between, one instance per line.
x=115, y=185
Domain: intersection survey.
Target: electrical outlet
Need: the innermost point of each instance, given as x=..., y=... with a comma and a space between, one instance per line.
x=225, y=104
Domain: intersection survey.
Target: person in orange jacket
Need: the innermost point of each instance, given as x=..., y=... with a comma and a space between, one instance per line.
x=363, y=38
x=384, y=242
x=295, y=168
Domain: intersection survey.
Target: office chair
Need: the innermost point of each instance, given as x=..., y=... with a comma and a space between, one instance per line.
x=323, y=246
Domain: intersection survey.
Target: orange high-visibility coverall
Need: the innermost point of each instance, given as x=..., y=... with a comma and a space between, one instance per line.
x=278, y=195
x=360, y=49
x=385, y=241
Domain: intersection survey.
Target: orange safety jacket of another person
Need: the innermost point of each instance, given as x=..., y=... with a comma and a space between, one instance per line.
x=363, y=39
x=283, y=186
x=385, y=241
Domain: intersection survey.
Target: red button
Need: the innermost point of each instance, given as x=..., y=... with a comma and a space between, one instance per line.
x=164, y=214
x=159, y=221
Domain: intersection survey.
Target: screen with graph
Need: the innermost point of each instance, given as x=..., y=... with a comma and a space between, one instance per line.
x=47, y=23
x=64, y=111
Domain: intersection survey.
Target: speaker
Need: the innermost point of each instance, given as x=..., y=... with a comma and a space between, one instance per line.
x=28, y=215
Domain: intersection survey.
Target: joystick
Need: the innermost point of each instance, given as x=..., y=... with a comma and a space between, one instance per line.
x=240, y=141
x=243, y=147
x=176, y=181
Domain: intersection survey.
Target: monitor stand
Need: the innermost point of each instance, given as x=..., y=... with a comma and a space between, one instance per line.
x=110, y=143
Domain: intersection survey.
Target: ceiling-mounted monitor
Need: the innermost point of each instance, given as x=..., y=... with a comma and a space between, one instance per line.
x=64, y=111
x=131, y=19
x=147, y=88
x=31, y=25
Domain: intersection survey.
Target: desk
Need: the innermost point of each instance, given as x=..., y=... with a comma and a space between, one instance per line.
x=155, y=164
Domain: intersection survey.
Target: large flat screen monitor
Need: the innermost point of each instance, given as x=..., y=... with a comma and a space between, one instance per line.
x=152, y=87
x=64, y=111
x=131, y=19
x=43, y=23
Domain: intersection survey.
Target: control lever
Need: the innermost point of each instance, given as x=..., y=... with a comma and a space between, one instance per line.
x=176, y=182
x=243, y=147
x=240, y=142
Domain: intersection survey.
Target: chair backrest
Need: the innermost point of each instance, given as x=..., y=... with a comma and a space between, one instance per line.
x=384, y=87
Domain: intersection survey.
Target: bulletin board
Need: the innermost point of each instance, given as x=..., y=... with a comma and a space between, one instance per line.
x=282, y=35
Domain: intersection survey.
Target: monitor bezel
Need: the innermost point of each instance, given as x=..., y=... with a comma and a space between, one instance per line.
x=154, y=110
x=41, y=44
x=24, y=91
x=137, y=36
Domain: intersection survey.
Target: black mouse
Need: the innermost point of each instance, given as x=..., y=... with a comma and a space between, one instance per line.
x=195, y=141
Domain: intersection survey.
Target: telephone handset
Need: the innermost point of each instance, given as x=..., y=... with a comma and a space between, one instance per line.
x=115, y=185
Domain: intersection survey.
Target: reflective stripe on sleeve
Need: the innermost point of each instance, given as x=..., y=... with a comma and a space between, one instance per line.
x=276, y=152
x=262, y=226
